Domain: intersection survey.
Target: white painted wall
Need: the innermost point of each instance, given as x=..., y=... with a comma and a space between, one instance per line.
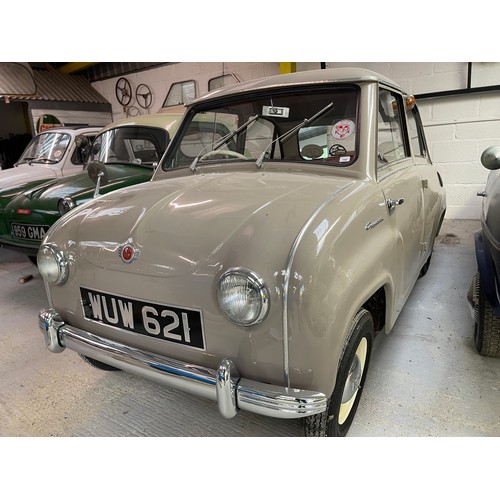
x=160, y=79
x=458, y=128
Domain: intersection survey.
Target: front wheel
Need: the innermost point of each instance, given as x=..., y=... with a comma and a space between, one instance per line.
x=99, y=364
x=343, y=403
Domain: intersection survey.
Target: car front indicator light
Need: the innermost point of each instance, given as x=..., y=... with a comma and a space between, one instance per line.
x=65, y=205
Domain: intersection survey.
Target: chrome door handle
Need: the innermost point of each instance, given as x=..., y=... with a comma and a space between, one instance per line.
x=392, y=204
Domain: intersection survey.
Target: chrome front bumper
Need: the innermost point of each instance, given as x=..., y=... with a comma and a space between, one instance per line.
x=223, y=385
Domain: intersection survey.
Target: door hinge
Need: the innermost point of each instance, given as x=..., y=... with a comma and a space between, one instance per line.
x=425, y=183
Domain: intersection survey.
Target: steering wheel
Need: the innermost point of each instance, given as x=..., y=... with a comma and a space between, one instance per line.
x=337, y=150
x=223, y=152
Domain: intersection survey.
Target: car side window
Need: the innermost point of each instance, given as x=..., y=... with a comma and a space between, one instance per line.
x=391, y=143
x=415, y=129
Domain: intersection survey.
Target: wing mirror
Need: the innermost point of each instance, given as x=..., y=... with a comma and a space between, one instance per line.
x=491, y=158
x=98, y=173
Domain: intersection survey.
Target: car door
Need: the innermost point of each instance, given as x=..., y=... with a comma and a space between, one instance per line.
x=431, y=180
x=401, y=183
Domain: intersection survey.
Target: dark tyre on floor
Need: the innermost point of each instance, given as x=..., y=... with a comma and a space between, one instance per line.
x=425, y=267
x=342, y=405
x=487, y=323
x=99, y=364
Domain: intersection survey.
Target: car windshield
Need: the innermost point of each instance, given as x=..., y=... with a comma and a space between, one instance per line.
x=47, y=148
x=136, y=145
x=305, y=125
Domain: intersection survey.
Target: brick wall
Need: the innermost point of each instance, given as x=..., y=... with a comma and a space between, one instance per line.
x=458, y=128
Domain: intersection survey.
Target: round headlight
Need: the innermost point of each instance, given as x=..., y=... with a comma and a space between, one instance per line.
x=52, y=264
x=243, y=296
x=65, y=205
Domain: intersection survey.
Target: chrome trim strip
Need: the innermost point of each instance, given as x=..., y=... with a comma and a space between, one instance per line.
x=374, y=223
x=222, y=385
x=286, y=282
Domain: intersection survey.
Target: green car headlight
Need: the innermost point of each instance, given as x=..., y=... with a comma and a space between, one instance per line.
x=65, y=205
x=243, y=296
x=53, y=264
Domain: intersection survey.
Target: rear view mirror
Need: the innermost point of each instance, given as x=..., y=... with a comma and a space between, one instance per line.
x=491, y=158
x=16, y=79
x=83, y=148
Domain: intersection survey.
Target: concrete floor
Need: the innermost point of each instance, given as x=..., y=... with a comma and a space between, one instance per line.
x=425, y=378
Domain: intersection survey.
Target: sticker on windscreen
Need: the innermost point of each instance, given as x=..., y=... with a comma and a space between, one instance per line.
x=275, y=111
x=343, y=129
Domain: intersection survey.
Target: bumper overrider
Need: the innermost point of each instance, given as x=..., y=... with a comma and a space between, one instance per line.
x=224, y=385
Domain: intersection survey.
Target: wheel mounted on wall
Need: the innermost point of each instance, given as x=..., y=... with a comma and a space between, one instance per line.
x=486, y=323
x=342, y=405
x=144, y=96
x=123, y=91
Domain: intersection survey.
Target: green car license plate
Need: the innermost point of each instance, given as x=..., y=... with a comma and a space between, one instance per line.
x=29, y=231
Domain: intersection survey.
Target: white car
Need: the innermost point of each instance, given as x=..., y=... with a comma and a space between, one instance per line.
x=58, y=152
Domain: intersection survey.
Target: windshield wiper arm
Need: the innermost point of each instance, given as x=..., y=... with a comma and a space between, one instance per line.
x=217, y=144
x=41, y=160
x=283, y=137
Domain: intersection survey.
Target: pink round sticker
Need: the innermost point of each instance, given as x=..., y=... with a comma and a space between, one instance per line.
x=343, y=129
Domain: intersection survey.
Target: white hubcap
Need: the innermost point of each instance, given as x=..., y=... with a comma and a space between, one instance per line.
x=353, y=381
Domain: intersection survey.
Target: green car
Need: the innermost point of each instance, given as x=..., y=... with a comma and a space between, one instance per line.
x=126, y=152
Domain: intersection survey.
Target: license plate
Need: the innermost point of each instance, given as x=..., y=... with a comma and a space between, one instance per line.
x=29, y=231
x=171, y=323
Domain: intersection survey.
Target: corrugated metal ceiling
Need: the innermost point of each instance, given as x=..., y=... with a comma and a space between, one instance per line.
x=94, y=72
x=56, y=86
x=71, y=82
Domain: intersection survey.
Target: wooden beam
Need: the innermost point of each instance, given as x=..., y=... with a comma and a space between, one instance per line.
x=288, y=67
x=75, y=66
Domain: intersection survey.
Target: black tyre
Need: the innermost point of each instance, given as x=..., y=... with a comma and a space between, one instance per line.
x=487, y=324
x=343, y=403
x=99, y=364
x=425, y=267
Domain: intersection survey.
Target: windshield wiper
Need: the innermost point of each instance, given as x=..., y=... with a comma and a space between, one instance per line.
x=217, y=144
x=283, y=137
x=42, y=160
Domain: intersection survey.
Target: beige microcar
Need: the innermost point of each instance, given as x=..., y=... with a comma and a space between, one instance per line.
x=285, y=227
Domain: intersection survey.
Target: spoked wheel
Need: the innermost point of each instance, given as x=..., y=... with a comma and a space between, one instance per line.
x=487, y=324
x=342, y=406
x=99, y=364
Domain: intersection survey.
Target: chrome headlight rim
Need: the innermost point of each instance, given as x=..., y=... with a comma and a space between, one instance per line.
x=65, y=205
x=60, y=260
x=258, y=285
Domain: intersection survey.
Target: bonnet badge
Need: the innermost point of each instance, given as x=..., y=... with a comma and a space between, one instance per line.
x=128, y=252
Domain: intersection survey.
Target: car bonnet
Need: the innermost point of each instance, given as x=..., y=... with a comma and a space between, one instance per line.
x=184, y=223
x=24, y=173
